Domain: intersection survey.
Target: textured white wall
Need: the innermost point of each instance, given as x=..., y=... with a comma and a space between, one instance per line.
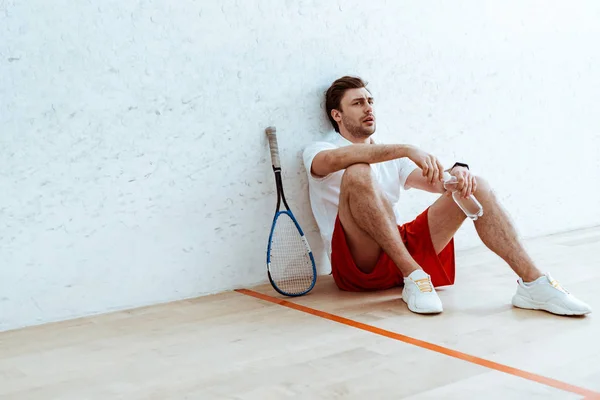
x=133, y=163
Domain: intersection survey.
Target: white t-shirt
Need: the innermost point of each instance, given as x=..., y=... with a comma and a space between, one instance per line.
x=324, y=192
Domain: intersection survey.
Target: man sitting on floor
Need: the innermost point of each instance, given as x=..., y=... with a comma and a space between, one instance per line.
x=355, y=185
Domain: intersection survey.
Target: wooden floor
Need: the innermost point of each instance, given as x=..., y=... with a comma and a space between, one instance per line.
x=235, y=346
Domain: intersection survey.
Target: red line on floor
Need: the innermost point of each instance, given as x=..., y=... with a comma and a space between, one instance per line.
x=589, y=394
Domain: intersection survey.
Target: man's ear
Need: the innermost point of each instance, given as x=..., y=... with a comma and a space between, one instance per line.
x=336, y=115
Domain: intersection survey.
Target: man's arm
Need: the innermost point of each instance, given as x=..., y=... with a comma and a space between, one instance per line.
x=329, y=161
x=416, y=180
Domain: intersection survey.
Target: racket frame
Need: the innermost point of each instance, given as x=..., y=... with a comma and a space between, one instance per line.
x=276, y=165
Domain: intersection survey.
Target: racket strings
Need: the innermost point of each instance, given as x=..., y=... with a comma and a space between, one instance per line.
x=290, y=264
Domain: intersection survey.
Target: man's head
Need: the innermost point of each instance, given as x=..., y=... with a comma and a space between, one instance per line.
x=349, y=106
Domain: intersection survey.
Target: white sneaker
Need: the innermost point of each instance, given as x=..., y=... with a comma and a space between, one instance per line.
x=420, y=295
x=546, y=294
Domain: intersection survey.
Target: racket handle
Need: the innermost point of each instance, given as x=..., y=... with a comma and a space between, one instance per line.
x=271, y=134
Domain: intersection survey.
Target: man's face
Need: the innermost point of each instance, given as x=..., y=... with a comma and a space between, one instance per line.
x=357, y=115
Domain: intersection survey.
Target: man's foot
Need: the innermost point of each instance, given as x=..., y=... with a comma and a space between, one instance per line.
x=420, y=295
x=546, y=294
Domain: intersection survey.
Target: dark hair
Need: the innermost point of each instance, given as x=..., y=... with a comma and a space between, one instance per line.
x=336, y=91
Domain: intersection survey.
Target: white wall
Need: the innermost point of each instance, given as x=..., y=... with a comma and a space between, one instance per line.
x=133, y=163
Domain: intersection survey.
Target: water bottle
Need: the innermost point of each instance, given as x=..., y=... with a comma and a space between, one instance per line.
x=470, y=205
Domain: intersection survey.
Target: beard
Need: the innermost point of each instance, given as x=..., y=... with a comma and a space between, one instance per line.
x=358, y=131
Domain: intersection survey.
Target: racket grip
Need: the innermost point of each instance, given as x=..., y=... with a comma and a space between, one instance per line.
x=272, y=136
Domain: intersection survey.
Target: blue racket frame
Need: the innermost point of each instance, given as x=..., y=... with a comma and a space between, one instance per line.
x=288, y=212
x=310, y=254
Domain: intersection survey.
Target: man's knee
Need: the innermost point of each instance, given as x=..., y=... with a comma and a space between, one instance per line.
x=484, y=190
x=357, y=175
x=483, y=184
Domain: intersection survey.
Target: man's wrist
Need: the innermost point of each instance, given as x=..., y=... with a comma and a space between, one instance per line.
x=402, y=150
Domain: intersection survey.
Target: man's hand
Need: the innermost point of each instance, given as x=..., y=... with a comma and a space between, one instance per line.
x=430, y=165
x=467, y=184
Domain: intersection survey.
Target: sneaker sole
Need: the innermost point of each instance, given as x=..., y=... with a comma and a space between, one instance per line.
x=525, y=303
x=420, y=311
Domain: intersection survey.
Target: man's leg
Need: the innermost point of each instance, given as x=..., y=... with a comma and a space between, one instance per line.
x=494, y=228
x=369, y=222
x=370, y=227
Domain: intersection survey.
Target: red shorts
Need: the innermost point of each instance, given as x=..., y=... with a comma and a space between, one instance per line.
x=416, y=238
